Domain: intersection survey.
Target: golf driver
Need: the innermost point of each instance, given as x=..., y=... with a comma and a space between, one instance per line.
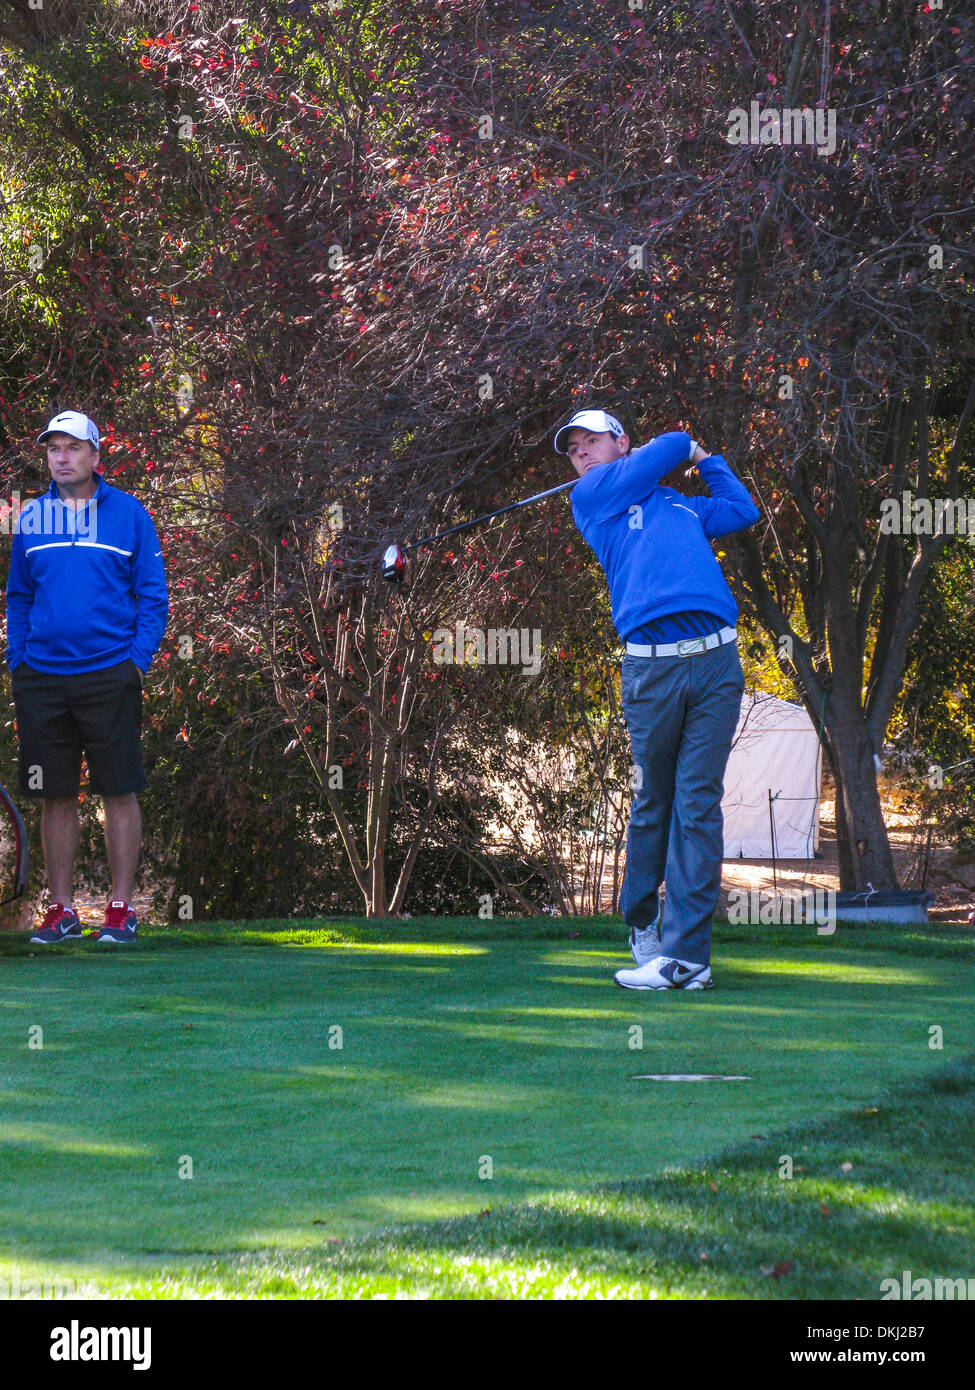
x=394, y=557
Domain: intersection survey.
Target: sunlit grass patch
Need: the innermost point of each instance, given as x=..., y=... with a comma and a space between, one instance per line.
x=729, y=1228
x=335, y=1093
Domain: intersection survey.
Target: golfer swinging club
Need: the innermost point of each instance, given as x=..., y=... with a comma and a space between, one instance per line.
x=682, y=680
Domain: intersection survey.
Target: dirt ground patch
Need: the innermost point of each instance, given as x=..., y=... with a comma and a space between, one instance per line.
x=953, y=903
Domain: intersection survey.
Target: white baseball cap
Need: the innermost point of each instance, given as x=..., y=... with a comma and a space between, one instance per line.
x=596, y=420
x=74, y=423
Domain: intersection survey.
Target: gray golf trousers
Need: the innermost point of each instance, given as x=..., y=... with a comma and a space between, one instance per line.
x=681, y=713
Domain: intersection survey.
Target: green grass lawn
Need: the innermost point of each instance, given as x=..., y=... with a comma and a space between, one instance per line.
x=466, y=1041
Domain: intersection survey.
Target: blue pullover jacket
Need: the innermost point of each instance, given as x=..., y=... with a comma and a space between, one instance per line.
x=85, y=590
x=652, y=542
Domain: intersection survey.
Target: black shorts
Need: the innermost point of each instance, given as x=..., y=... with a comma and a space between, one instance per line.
x=99, y=712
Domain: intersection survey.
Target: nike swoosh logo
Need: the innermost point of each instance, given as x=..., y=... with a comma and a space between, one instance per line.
x=681, y=974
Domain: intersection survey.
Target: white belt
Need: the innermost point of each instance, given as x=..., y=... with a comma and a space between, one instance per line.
x=690, y=646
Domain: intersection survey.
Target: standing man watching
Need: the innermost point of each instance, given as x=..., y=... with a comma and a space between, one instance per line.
x=682, y=680
x=86, y=610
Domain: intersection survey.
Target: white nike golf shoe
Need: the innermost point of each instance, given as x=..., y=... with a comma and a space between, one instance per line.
x=664, y=972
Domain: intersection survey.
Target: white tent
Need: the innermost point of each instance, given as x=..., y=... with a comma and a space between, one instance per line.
x=776, y=749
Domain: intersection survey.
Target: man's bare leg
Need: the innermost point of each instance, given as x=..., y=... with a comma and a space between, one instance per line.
x=60, y=835
x=123, y=839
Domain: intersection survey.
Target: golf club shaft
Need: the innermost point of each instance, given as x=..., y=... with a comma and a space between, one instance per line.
x=489, y=516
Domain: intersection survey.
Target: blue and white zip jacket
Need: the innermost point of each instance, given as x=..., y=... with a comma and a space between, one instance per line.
x=652, y=542
x=86, y=589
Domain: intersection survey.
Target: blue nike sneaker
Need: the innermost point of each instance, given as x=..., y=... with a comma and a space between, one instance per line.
x=120, y=925
x=60, y=924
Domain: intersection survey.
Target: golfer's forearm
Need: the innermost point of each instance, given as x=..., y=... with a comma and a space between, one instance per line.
x=150, y=627
x=729, y=507
x=611, y=488
x=18, y=624
x=721, y=481
x=151, y=596
x=17, y=631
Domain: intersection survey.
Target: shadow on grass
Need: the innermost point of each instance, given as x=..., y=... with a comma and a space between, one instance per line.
x=824, y=1232
x=874, y=1191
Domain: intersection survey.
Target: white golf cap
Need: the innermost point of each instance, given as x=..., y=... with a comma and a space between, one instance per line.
x=596, y=420
x=74, y=423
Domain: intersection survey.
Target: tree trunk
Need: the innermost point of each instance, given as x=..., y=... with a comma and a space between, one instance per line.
x=861, y=835
x=376, y=896
x=844, y=848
